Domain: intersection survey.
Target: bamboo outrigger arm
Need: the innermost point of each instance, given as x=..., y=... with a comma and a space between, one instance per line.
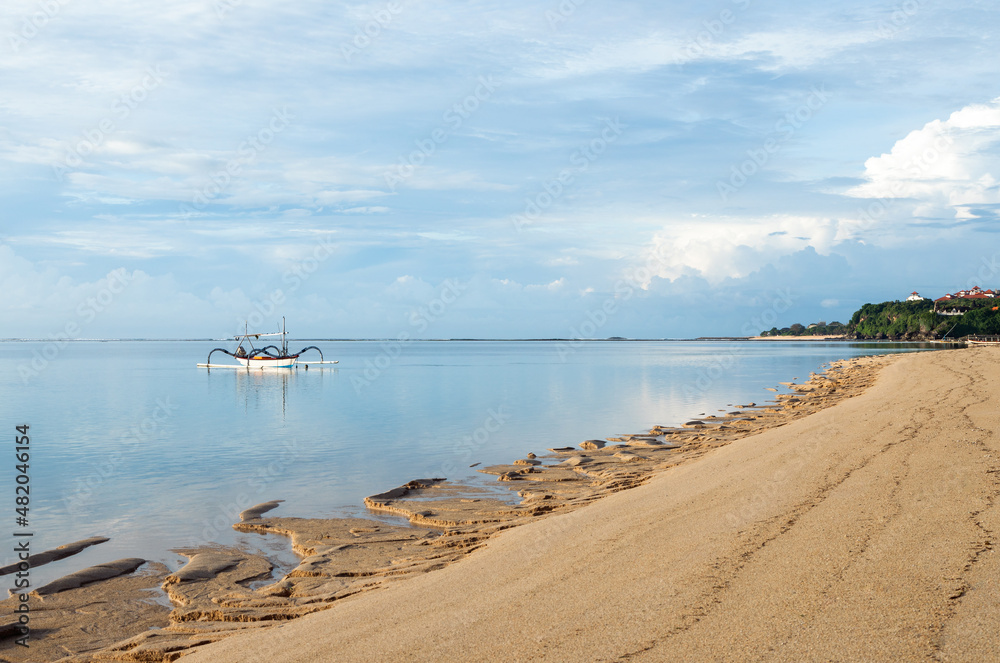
x=312, y=347
x=223, y=350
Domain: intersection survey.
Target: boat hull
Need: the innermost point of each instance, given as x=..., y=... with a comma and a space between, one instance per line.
x=267, y=362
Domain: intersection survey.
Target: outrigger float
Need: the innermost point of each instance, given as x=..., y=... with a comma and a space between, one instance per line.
x=267, y=357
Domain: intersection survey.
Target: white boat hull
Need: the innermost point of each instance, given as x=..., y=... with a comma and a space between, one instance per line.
x=267, y=362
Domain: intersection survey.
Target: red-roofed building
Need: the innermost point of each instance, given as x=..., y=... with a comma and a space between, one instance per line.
x=974, y=293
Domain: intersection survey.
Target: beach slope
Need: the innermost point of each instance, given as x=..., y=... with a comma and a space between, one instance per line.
x=866, y=531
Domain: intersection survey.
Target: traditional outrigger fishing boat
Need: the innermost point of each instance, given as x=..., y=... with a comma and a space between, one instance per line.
x=268, y=356
x=982, y=340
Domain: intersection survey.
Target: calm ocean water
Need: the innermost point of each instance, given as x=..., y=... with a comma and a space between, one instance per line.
x=132, y=441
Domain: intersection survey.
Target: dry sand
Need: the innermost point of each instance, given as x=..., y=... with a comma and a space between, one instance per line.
x=865, y=531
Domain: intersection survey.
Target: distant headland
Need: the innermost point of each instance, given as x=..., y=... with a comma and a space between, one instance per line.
x=970, y=312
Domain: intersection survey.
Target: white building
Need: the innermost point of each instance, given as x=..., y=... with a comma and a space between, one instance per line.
x=914, y=297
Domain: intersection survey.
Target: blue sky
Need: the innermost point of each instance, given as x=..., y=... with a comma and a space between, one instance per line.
x=490, y=169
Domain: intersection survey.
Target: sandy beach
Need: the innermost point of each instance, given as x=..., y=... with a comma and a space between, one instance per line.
x=852, y=518
x=865, y=531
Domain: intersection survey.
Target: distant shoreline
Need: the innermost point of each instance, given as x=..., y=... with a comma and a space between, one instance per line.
x=839, y=337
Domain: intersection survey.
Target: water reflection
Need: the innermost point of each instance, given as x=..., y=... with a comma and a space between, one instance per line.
x=268, y=390
x=421, y=414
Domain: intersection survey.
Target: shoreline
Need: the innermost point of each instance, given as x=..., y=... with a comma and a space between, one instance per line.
x=865, y=531
x=839, y=337
x=224, y=588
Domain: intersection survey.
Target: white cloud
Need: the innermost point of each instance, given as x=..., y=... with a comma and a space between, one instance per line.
x=947, y=166
x=114, y=305
x=798, y=49
x=122, y=303
x=433, y=178
x=563, y=261
x=119, y=242
x=638, y=54
x=376, y=209
x=333, y=197
x=716, y=249
x=554, y=286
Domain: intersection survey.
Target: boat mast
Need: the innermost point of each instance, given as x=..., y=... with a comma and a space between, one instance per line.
x=284, y=338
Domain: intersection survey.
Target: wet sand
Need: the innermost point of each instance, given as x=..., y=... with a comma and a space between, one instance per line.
x=845, y=521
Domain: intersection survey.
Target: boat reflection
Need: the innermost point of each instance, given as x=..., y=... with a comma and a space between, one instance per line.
x=263, y=390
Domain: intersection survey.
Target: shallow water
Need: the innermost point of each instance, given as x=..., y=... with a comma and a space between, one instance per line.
x=132, y=441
